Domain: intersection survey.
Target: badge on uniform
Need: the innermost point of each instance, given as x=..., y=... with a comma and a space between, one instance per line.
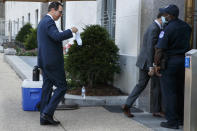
x=161, y=34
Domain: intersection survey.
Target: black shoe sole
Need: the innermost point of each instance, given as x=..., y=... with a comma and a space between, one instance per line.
x=45, y=123
x=48, y=123
x=168, y=126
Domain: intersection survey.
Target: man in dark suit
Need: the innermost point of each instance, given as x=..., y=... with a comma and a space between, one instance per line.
x=145, y=63
x=51, y=61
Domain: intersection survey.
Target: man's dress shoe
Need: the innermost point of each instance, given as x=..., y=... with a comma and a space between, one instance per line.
x=44, y=122
x=47, y=120
x=158, y=114
x=127, y=111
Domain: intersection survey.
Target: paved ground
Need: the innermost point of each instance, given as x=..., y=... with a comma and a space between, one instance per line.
x=13, y=118
x=152, y=122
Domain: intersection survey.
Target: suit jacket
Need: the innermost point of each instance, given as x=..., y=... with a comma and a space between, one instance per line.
x=147, y=50
x=50, y=50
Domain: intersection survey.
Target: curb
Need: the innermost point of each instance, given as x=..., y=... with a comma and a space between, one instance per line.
x=95, y=100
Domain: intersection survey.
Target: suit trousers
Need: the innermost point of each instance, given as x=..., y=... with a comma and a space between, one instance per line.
x=49, y=102
x=172, y=86
x=142, y=83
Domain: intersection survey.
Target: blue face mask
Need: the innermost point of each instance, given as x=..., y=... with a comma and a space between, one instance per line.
x=163, y=19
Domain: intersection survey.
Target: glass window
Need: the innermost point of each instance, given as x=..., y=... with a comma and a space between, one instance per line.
x=29, y=15
x=36, y=18
x=2, y=27
x=108, y=17
x=17, y=25
x=23, y=21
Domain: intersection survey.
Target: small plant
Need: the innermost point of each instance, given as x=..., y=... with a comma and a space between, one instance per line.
x=24, y=31
x=23, y=52
x=31, y=40
x=96, y=61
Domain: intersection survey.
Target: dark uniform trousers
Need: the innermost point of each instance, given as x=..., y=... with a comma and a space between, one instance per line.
x=49, y=101
x=142, y=83
x=156, y=96
x=172, y=86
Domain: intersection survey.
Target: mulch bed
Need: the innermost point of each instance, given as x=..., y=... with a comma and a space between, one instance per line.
x=101, y=90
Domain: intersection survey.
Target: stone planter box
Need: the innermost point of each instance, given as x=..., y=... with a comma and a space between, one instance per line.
x=1, y=49
x=9, y=51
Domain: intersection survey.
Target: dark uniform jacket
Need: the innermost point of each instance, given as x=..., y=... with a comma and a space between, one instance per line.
x=174, y=39
x=146, y=55
x=50, y=50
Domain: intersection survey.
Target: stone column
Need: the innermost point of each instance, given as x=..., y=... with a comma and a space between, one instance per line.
x=44, y=9
x=99, y=12
x=2, y=21
x=2, y=10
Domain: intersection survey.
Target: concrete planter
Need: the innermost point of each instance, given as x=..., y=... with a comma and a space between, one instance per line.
x=1, y=49
x=9, y=51
x=94, y=100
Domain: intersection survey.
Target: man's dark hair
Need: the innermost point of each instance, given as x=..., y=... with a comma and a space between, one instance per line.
x=54, y=5
x=159, y=15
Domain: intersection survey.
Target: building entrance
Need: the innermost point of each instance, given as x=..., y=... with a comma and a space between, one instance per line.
x=191, y=19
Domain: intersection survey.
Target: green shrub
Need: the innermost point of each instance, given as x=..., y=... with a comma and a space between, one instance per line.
x=24, y=31
x=71, y=82
x=96, y=61
x=31, y=40
x=23, y=52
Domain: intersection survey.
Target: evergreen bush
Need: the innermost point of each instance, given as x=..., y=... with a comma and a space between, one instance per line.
x=96, y=61
x=31, y=40
x=24, y=31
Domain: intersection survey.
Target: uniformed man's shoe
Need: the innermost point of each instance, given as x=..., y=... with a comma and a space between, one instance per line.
x=47, y=120
x=126, y=110
x=169, y=125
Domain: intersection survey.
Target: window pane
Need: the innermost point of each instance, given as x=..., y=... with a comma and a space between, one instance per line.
x=108, y=19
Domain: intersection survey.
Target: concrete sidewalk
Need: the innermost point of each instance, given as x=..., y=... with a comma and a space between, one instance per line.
x=13, y=118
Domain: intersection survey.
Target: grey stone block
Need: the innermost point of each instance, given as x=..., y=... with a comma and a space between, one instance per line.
x=115, y=100
x=1, y=49
x=9, y=51
x=88, y=101
x=94, y=100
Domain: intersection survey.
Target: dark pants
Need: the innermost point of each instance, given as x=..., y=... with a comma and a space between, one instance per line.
x=142, y=83
x=172, y=86
x=49, y=102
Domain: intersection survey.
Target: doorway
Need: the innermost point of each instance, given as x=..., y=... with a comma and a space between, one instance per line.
x=191, y=19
